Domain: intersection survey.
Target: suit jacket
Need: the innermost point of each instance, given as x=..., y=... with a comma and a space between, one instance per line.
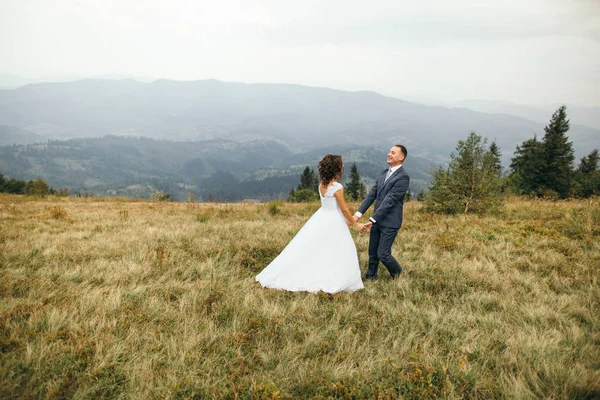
x=389, y=198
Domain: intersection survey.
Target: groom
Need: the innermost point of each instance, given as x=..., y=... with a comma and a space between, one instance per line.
x=388, y=194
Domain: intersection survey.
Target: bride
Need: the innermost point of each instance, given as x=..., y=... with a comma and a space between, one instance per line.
x=322, y=256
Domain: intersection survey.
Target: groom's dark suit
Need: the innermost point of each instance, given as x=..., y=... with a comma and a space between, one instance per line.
x=389, y=201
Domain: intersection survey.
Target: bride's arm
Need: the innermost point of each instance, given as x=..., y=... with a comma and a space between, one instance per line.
x=339, y=196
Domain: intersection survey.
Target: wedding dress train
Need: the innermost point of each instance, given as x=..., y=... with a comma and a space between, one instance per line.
x=322, y=255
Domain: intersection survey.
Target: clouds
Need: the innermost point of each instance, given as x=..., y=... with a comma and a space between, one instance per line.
x=533, y=52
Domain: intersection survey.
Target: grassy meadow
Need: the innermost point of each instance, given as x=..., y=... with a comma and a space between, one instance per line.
x=120, y=298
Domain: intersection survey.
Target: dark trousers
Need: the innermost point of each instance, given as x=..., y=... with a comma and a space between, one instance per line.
x=380, y=249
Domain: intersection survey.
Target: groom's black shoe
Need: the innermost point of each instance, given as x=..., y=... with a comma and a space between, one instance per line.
x=396, y=276
x=370, y=278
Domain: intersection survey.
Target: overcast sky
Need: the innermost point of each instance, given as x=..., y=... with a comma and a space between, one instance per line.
x=530, y=52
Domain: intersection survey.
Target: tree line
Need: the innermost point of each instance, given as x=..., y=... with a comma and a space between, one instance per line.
x=474, y=180
x=308, y=189
x=544, y=168
x=35, y=187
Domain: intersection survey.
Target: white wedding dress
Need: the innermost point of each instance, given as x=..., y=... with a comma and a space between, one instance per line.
x=322, y=256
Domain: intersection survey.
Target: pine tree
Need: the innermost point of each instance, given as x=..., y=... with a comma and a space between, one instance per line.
x=558, y=154
x=587, y=176
x=495, y=158
x=472, y=181
x=441, y=198
x=589, y=164
x=308, y=180
x=362, y=191
x=308, y=188
x=527, y=166
x=466, y=169
x=492, y=184
x=353, y=188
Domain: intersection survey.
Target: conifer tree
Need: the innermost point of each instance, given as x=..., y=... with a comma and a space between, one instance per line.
x=362, y=191
x=527, y=166
x=472, y=181
x=355, y=188
x=495, y=158
x=587, y=176
x=441, y=198
x=558, y=154
x=308, y=188
x=589, y=164
x=308, y=180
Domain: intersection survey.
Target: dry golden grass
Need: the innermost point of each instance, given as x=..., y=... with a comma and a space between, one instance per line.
x=137, y=299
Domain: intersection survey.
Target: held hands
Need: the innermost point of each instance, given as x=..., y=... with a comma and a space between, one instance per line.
x=351, y=222
x=367, y=227
x=360, y=227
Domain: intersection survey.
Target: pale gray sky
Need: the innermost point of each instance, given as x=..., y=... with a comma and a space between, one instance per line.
x=530, y=52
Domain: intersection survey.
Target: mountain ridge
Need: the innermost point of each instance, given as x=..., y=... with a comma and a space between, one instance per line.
x=227, y=170
x=299, y=116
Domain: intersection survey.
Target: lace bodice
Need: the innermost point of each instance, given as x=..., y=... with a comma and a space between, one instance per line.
x=329, y=202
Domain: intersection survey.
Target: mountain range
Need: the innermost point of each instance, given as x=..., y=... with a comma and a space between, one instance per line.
x=299, y=117
x=588, y=116
x=122, y=136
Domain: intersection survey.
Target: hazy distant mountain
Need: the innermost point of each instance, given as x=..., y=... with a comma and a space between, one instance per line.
x=13, y=135
x=229, y=171
x=588, y=116
x=298, y=116
x=9, y=81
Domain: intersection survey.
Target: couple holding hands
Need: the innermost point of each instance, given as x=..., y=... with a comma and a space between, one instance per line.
x=322, y=256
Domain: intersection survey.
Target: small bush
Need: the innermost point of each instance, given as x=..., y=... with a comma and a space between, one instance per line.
x=303, y=196
x=549, y=194
x=160, y=196
x=58, y=212
x=202, y=218
x=275, y=207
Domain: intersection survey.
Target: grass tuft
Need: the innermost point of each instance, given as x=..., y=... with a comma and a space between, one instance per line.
x=58, y=212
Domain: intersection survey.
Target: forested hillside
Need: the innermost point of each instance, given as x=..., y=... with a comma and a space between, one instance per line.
x=301, y=117
x=219, y=169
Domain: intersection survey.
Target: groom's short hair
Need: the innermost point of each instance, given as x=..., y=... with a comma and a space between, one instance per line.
x=402, y=149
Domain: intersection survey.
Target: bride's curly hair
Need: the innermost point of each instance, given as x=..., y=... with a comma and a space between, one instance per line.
x=330, y=168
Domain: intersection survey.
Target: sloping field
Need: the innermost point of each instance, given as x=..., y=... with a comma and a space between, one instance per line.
x=139, y=299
